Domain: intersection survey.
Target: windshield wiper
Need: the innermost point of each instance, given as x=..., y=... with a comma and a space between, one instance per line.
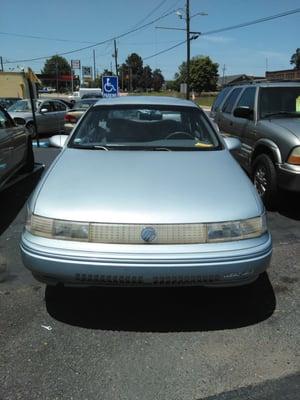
x=284, y=113
x=89, y=147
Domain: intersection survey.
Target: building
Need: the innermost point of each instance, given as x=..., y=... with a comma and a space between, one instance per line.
x=289, y=74
x=236, y=79
x=15, y=84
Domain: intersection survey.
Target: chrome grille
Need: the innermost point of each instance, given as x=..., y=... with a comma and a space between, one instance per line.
x=131, y=233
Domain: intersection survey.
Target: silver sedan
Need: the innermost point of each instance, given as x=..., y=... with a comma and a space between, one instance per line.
x=146, y=192
x=49, y=115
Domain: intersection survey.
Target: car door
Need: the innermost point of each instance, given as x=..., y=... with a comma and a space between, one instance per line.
x=225, y=117
x=19, y=141
x=6, y=164
x=46, y=117
x=60, y=112
x=245, y=129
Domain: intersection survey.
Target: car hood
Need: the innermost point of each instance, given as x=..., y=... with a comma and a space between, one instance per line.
x=291, y=124
x=146, y=187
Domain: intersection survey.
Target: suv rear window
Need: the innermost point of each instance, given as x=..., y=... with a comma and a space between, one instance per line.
x=229, y=103
x=247, y=98
x=221, y=96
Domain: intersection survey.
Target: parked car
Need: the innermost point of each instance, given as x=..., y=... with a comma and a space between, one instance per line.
x=49, y=115
x=15, y=148
x=6, y=102
x=156, y=202
x=265, y=116
x=73, y=115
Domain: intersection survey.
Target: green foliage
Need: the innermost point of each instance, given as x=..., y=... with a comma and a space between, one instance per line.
x=56, y=65
x=203, y=74
x=158, y=80
x=295, y=59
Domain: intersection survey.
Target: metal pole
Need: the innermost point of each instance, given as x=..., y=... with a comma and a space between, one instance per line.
x=56, y=67
x=116, y=56
x=94, y=58
x=188, y=49
x=32, y=102
x=1, y=61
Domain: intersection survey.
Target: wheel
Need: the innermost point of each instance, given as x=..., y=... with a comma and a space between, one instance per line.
x=29, y=164
x=31, y=130
x=265, y=180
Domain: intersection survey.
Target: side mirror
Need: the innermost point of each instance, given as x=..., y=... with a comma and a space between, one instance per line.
x=243, y=112
x=20, y=121
x=58, y=140
x=232, y=143
x=44, y=110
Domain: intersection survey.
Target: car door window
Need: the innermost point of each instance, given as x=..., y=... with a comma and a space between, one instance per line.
x=229, y=103
x=59, y=106
x=5, y=121
x=247, y=98
x=48, y=105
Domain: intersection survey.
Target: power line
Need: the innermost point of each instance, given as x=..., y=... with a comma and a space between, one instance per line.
x=256, y=21
x=165, y=50
x=42, y=37
x=150, y=13
x=96, y=44
x=242, y=25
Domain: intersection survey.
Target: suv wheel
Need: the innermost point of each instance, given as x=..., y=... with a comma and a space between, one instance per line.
x=265, y=179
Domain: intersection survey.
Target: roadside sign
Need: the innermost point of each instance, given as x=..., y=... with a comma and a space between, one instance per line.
x=75, y=64
x=87, y=72
x=110, y=86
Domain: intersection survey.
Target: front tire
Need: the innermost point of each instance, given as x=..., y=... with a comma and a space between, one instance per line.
x=31, y=130
x=265, y=180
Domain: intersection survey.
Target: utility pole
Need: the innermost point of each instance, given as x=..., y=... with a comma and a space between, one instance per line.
x=223, y=77
x=56, y=68
x=190, y=35
x=188, y=48
x=1, y=62
x=94, y=58
x=116, y=56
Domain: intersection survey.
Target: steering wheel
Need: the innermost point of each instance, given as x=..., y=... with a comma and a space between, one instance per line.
x=180, y=133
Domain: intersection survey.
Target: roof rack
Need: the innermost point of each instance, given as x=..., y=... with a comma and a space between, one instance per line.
x=255, y=81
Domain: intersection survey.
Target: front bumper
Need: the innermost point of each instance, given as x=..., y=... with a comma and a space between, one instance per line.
x=88, y=264
x=289, y=177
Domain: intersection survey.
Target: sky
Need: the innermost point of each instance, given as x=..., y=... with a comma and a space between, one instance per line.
x=65, y=25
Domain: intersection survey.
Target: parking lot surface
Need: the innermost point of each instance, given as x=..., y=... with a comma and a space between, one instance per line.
x=145, y=343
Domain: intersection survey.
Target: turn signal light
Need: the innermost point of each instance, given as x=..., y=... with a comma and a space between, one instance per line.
x=70, y=118
x=294, y=157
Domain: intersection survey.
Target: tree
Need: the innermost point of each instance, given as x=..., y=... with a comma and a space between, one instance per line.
x=134, y=64
x=158, y=80
x=203, y=74
x=295, y=59
x=146, y=78
x=55, y=67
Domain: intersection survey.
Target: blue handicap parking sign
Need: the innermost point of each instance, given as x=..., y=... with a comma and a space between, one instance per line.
x=110, y=86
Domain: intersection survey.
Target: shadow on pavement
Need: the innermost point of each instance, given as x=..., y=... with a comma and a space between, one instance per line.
x=162, y=309
x=289, y=205
x=15, y=195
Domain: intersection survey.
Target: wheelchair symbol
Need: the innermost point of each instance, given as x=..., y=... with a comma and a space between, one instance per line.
x=109, y=87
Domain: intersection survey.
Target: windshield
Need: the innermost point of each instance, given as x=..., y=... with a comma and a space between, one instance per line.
x=280, y=102
x=145, y=128
x=22, y=106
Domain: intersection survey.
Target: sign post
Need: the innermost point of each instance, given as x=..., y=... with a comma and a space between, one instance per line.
x=110, y=86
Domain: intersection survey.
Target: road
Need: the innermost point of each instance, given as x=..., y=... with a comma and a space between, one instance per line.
x=144, y=343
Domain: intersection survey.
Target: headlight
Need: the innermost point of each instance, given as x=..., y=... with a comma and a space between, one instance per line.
x=131, y=233
x=294, y=157
x=236, y=230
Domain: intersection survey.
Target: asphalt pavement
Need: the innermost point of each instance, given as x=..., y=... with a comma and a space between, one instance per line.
x=145, y=343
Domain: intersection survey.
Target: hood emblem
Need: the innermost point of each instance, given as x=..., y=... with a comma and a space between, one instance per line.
x=148, y=234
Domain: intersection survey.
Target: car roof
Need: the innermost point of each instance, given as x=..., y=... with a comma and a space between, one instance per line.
x=145, y=100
